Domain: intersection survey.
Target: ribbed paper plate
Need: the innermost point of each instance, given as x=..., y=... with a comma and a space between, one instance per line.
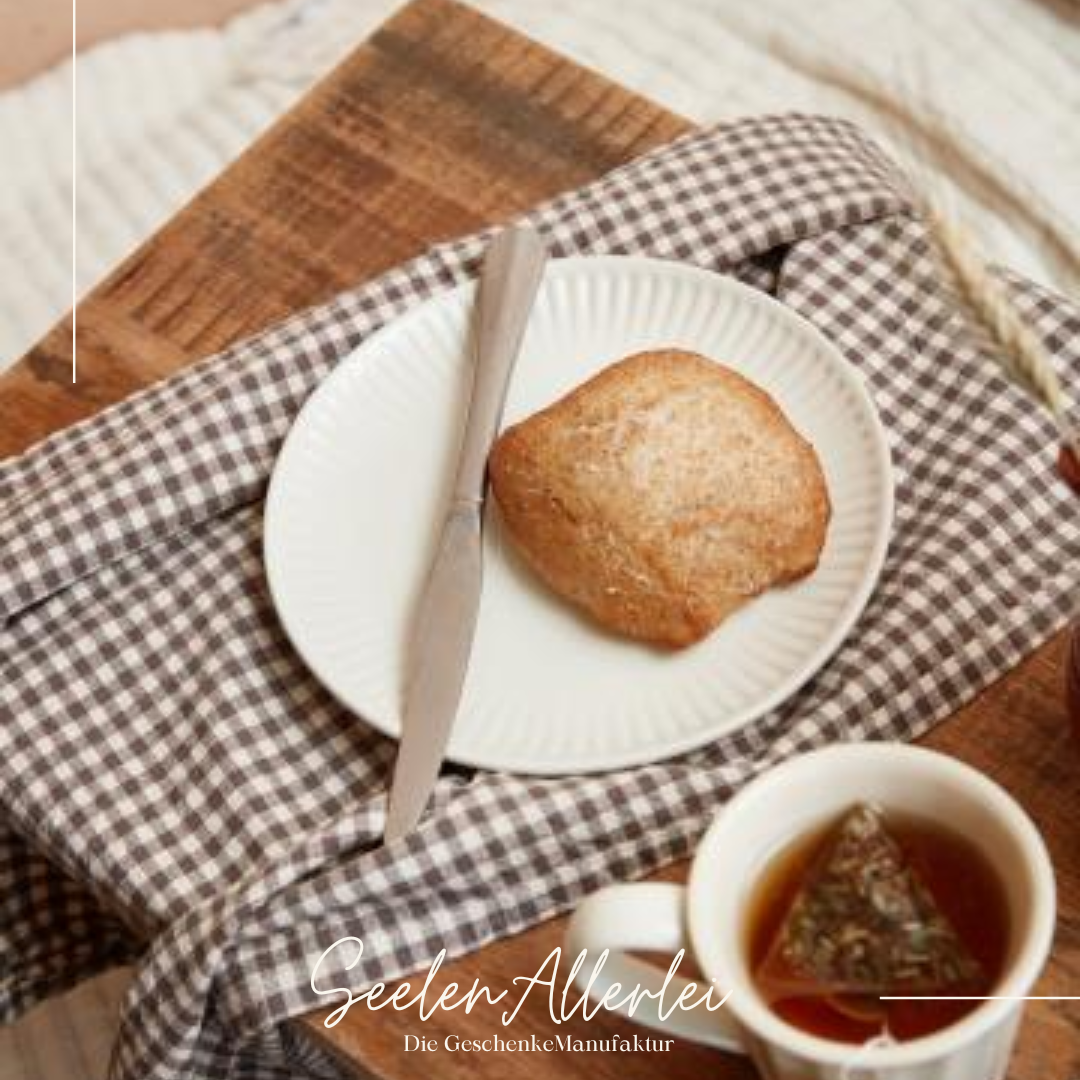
x=359, y=489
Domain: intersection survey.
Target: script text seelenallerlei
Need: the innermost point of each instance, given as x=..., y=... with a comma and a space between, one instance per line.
x=615, y=997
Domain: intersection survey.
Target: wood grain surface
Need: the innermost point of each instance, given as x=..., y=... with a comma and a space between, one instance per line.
x=441, y=122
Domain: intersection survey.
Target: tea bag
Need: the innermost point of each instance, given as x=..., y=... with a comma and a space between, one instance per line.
x=863, y=925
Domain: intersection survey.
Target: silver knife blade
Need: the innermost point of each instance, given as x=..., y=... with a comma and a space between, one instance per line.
x=446, y=615
x=445, y=622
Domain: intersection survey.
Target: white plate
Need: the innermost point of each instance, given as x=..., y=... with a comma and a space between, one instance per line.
x=358, y=492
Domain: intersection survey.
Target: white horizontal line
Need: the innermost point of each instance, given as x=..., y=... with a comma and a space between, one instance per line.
x=993, y=997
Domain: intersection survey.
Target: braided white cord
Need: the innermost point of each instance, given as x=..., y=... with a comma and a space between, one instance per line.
x=1019, y=350
x=1015, y=344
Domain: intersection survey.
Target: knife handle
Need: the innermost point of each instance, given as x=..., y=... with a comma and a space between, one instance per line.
x=509, y=279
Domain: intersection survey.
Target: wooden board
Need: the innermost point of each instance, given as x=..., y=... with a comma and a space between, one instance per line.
x=442, y=122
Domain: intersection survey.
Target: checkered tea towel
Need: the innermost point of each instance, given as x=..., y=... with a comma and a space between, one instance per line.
x=174, y=785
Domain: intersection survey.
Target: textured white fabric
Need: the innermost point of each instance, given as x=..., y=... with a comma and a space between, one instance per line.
x=160, y=114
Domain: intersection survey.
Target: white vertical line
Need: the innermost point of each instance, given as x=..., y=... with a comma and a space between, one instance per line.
x=74, y=182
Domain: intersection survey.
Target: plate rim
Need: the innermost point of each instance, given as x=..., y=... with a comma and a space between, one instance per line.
x=846, y=620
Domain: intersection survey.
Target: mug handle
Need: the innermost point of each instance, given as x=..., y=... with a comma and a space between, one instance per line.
x=650, y=916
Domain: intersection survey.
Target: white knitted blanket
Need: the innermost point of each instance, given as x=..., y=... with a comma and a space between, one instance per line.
x=992, y=82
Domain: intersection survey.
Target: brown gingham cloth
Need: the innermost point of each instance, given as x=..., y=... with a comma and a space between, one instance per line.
x=175, y=786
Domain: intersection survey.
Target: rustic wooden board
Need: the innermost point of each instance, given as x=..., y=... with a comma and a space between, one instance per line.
x=444, y=121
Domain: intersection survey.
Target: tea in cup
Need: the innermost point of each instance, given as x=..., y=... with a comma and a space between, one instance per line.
x=965, y=889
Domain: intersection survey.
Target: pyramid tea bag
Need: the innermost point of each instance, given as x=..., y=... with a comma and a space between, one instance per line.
x=861, y=925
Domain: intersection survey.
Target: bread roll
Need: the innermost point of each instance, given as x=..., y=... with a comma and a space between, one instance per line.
x=661, y=495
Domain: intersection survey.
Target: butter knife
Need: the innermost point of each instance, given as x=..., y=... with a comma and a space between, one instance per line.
x=446, y=615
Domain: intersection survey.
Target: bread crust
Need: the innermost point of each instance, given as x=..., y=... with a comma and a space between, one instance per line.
x=662, y=495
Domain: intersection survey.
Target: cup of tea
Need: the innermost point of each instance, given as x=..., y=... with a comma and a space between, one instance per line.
x=972, y=847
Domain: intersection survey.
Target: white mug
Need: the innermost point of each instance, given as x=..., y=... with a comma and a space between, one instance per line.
x=707, y=917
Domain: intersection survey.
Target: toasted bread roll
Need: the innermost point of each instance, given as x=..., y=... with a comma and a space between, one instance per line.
x=661, y=495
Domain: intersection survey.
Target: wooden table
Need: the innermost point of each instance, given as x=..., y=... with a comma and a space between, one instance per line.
x=442, y=122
